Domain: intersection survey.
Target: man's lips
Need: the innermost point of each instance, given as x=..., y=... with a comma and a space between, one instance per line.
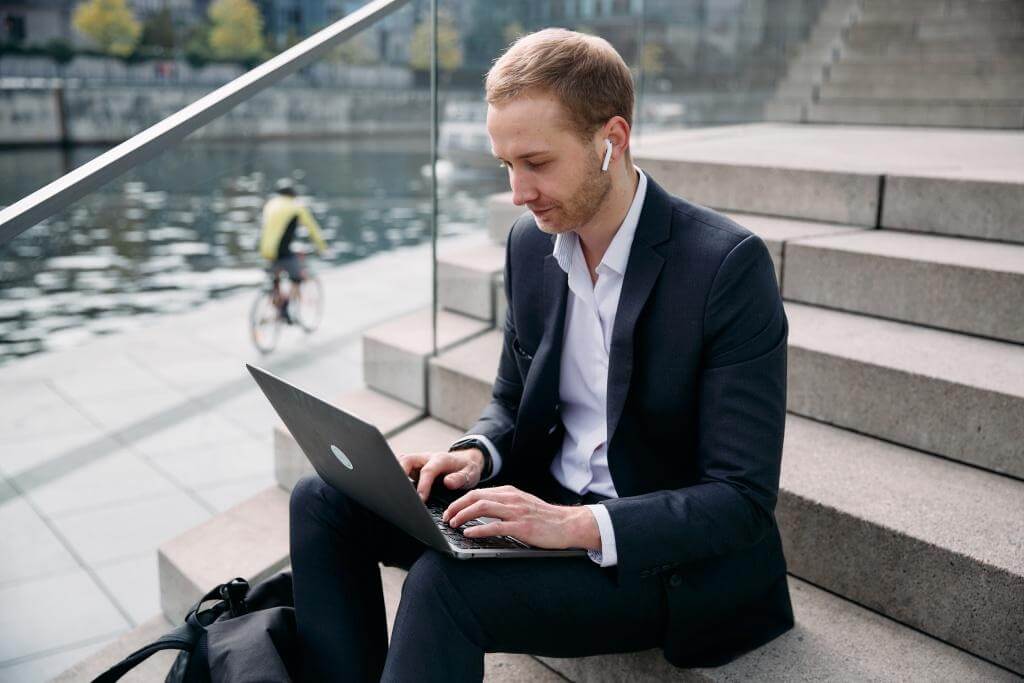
x=540, y=211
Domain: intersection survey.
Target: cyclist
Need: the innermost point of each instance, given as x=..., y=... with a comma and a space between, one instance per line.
x=282, y=215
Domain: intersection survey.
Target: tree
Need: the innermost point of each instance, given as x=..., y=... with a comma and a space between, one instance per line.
x=357, y=50
x=512, y=32
x=449, y=46
x=158, y=31
x=110, y=24
x=236, y=30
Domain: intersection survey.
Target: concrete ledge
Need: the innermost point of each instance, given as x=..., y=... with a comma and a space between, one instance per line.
x=814, y=194
x=461, y=380
x=928, y=542
x=465, y=280
x=962, y=285
x=395, y=353
x=776, y=232
x=940, y=392
x=905, y=113
x=989, y=210
x=249, y=540
x=389, y=415
x=501, y=214
x=833, y=640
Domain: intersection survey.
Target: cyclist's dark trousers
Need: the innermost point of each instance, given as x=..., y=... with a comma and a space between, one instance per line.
x=451, y=611
x=291, y=265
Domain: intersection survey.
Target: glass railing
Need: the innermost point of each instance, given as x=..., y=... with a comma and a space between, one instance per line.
x=130, y=282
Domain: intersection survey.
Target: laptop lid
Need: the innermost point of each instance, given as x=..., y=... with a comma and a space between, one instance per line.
x=352, y=456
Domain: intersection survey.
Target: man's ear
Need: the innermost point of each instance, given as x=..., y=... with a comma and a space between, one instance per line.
x=617, y=130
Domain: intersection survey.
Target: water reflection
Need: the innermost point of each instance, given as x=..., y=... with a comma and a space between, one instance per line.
x=184, y=228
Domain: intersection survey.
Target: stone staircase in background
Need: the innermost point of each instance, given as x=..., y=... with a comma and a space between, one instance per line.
x=913, y=62
x=902, y=492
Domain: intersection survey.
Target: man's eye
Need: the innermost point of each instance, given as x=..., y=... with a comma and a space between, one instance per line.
x=502, y=164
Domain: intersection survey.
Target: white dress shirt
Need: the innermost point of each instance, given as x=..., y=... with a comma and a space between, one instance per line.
x=582, y=463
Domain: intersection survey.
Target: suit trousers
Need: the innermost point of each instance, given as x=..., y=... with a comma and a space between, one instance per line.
x=451, y=611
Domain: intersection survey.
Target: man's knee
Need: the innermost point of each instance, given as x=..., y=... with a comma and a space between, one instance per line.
x=430, y=586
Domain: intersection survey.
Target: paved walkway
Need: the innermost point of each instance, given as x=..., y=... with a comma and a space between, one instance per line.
x=110, y=449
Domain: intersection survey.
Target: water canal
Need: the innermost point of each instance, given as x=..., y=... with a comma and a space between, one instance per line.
x=183, y=229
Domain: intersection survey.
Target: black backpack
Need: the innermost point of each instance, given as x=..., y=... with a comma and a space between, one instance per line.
x=247, y=636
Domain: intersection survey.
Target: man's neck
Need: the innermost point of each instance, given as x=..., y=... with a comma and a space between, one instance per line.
x=599, y=232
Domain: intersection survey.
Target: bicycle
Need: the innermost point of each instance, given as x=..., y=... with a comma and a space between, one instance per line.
x=281, y=301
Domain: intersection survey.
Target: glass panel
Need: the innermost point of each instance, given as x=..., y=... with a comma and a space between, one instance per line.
x=126, y=320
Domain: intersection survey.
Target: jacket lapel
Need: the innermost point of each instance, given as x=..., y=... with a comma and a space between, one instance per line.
x=642, y=271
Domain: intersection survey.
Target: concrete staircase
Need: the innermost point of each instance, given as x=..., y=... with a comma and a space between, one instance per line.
x=916, y=62
x=902, y=493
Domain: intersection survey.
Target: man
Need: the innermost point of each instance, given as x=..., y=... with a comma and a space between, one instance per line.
x=638, y=412
x=282, y=215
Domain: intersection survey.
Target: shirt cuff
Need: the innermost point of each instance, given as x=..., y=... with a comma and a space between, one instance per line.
x=491, y=450
x=607, y=555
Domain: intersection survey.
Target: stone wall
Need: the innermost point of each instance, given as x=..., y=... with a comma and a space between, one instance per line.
x=113, y=113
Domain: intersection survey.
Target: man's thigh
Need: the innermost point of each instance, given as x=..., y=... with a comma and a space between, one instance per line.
x=560, y=607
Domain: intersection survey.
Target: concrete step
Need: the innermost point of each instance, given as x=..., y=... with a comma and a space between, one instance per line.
x=893, y=499
x=777, y=232
x=395, y=353
x=466, y=280
x=929, y=542
x=940, y=89
x=461, y=379
x=879, y=69
x=389, y=415
x=940, y=392
x=833, y=640
x=917, y=113
x=916, y=10
x=249, y=540
x=501, y=214
x=153, y=670
x=945, y=203
x=964, y=285
x=933, y=33
x=935, y=49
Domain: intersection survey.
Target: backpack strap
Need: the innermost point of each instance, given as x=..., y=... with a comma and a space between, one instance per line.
x=184, y=637
x=187, y=636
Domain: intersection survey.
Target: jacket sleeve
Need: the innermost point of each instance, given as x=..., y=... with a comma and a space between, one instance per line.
x=306, y=218
x=498, y=420
x=740, y=423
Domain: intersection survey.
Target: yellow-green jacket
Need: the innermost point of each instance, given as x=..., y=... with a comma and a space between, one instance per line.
x=281, y=216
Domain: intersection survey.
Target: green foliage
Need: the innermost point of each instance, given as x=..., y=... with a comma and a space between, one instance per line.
x=60, y=51
x=158, y=31
x=357, y=50
x=236, y=30
x=449, y=46
x=108, y=23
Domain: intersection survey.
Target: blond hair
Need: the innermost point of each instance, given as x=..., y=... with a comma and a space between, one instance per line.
x=584, y=72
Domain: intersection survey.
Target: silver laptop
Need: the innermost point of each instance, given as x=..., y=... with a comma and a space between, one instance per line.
x=352, y=456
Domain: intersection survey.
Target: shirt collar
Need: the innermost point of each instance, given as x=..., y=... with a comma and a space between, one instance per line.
x=617, y=255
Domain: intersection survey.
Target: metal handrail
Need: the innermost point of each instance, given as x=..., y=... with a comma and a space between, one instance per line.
x=142, y=147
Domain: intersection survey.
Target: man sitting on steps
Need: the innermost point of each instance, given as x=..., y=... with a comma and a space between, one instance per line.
x=638, y=412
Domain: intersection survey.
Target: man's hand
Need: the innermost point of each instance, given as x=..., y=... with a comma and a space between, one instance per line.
x=461, y=469
x=525, y=517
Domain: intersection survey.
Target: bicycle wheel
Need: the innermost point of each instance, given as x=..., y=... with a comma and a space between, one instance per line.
x=307, y=308
x=264, y=322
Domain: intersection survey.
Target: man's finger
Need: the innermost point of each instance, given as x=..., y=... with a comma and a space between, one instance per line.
x=482, y=508
x=494, y=494
x=411, y=462
x=491, y=529
x=462, y=479
x=440, y=463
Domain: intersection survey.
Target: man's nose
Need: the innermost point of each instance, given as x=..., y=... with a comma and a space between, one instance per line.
x=523, y=191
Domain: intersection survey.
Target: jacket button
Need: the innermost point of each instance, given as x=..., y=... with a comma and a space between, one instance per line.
x=675, y=581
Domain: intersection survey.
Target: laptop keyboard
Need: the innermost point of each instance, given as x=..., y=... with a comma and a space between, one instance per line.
x=455, y=537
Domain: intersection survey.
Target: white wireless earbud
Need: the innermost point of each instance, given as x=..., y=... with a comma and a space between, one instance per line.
x=607, y=155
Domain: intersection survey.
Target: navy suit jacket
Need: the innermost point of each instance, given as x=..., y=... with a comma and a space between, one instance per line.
x=696, y=414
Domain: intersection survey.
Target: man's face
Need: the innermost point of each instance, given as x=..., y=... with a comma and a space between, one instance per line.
x=552, y=171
